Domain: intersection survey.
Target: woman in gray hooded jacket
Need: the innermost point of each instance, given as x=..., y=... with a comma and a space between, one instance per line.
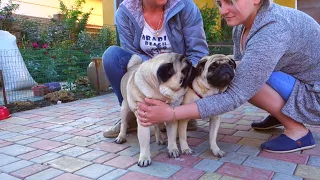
x=279, y=72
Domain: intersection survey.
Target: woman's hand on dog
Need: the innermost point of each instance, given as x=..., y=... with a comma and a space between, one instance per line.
x=154, y=111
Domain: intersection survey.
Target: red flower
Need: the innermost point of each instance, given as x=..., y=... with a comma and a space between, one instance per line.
x=35, y=45
x=46, y=52
x=87, y=51
x=53, y=57
x=44, y=46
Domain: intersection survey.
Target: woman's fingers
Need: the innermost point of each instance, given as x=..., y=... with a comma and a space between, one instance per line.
x=142, y=113
x=144, y=121
x=143, y=107
x=145, y=124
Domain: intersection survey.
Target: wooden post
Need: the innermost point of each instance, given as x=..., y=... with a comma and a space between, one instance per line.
x=97, y=75
x=3, y=89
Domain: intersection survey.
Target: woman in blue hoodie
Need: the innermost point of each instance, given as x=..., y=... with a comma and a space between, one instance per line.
x=151, y=27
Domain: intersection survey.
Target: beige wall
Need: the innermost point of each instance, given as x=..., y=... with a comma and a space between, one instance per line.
x=201, y=3
x=46, y=9
x=289, y=3
x=108, y=12
x=108, y=7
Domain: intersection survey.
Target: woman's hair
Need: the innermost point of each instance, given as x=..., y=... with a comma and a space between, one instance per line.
x=270, y=1
x=261, y=2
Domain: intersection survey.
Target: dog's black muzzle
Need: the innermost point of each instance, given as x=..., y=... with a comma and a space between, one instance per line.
x=221, y=77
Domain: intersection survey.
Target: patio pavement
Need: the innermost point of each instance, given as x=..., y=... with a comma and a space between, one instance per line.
x=65, y=142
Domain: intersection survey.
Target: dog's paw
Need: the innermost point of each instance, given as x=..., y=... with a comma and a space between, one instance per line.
x=174, y=153
x=120, y=140
x=218, y=153
x=161, y=142
x=187, y=151
x=144, y=162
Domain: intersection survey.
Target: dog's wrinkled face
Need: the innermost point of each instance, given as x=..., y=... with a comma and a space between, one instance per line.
x=217, y=70
x=175, y=72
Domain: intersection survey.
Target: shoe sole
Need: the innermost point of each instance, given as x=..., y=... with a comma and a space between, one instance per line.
x=116, y=134
x=266, y=128
x=290, y=151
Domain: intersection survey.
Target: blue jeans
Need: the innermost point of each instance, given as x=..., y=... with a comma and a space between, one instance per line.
x=282, y=83
x=115, y=60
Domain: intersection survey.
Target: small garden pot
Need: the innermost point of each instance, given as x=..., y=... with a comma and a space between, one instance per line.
x=94, y=70
x=40, y=90
x=4, y=113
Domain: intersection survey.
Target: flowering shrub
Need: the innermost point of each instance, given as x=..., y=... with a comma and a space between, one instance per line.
x=30, y=31
x=106, y=37
x=95, y=45
x=44, y=46
x=74, y=18
x=6, y=18
x=59, y=52
x=48, y=65
x=212, y=25
x=35, y=45
x=57, y=32
x=85, y=40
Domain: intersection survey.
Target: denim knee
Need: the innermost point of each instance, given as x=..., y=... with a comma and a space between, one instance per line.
x=282, y=83
x=115, y=60
x=108, y=56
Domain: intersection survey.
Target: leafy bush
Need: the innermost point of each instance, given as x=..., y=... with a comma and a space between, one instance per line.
x=85, y=40
x=96, y=44
x=48, y=65
x=6, y=18
x=106, y=37
x=74, y=18
x=212, y=26
x=57, y=32
x=30, y=30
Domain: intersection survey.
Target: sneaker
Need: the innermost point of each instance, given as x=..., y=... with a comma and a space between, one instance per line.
x=114, y=131
x=268, y=123
x=192, y=125
x=284, y=144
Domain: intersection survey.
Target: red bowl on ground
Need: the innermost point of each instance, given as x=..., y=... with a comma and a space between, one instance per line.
x=4, y=113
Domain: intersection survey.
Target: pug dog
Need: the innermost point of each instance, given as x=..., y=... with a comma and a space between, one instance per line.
x=214, y=74
x=165, y=77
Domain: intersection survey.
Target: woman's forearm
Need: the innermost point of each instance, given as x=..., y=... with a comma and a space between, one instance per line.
x=186, y=111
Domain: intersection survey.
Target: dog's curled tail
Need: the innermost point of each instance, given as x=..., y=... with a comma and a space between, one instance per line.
x=135, y=60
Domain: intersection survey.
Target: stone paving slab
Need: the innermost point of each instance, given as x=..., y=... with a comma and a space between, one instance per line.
x=15, y=166
x=158, y=169
x=4, y=176
x=68, y=164
x=65, y=142
x=115, y=174
x=45, y=175
x=5, y=159
x=270, y=164
x=15, y=150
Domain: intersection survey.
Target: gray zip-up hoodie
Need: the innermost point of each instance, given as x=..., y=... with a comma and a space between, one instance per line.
x=281, y=39
x=183, y=24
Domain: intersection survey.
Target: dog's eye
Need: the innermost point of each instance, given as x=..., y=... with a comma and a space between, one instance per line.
x=212, y=67
x=231, y=64
x=185, y=71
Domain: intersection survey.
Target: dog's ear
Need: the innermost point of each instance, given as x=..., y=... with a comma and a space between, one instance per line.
x=232, y=62
x=165, y=72
x=190, y=73
x=200, y=65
